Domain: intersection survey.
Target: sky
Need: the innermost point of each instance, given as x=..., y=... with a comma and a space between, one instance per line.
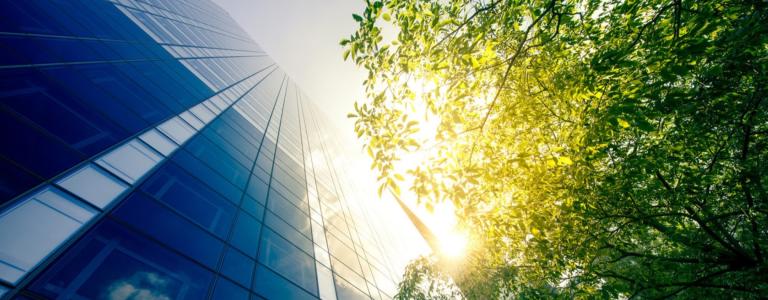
x=303, y=36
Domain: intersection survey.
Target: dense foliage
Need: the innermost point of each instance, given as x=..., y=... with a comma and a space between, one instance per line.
x=594, y=148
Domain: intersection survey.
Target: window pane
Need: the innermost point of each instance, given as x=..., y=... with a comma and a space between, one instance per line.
x=285, y=230
x=178, y=130
x=272, y=286
x=130, y=161
x=158, y=141
x=226, y=290
x=286, y=259
x=246, y=234
x=192, y=120
x=238, y=267
x=325, y=283
x=159, y=222
x=258, y=189
x=192, y=198
x=252, y=207
x=114, y=263
x=35, y=227
x=14, y=180
x=208, y=175
x=202, y=113
x=94, y=185
x=290, y=214
x=345, y=290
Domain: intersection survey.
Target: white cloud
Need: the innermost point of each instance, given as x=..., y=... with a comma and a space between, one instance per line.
x=140, y=286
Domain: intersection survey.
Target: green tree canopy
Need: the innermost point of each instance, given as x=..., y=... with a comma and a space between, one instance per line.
x=593, y=148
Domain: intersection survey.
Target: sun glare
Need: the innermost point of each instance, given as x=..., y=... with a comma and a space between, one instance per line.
x=453, y=242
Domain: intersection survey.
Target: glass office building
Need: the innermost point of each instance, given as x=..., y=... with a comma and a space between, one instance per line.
x=151, y=150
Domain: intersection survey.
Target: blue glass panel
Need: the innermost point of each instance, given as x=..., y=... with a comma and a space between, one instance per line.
x=14, y=180
x=287, y=260
x=238, y=267
x=246, y=234
x=191, y=197
x=40, y=102
x=39, y=50
x=221, y=130
x=123, y=89
x=169, y=228
x=253, y=207
x=151, y=87
x=290, y=213
x=26, y=146
x=243, y=126
x=28, y=16
x=272, y=286
x=95, y=98
x=8, y=56
x=258, y=190
x=168, y=82
x=218, y=159
x=284, y=229
x=182, y=75
x=92, y=15
x=208, y=175
x=114, y=263
x=182, y=81
x=226, y=290
x=226, y=145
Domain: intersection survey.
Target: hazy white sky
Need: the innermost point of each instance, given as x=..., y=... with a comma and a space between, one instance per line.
x=303, y=36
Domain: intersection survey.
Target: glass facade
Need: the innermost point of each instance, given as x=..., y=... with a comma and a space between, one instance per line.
x=151, y=150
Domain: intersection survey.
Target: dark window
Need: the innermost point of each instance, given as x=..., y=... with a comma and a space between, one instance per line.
x=14, y=180
x=40, y=103
x=159, y=222
x=123, y=89
x=192, y=198
x=33, y=149
x=95, y=98
x=208, y=175
x=218, y=159
x=29, y=16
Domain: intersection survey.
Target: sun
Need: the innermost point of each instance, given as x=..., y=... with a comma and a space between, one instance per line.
x=452, y=240
x=453, y=245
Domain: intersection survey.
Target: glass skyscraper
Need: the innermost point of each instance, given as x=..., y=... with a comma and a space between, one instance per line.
x=151, y=150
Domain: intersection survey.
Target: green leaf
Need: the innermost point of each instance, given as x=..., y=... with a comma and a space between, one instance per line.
x=622, y=123
x=564, y=161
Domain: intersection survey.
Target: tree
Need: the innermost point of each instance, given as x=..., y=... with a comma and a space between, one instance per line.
x=593, y=148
